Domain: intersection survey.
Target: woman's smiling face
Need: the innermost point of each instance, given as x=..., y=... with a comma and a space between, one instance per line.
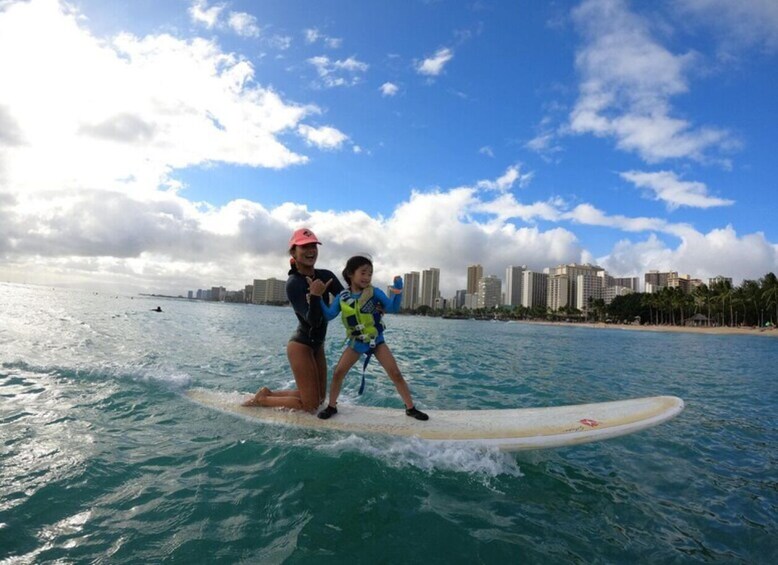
x=305, y=255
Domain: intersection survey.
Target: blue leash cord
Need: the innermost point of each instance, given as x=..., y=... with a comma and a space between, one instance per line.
x=364, y=368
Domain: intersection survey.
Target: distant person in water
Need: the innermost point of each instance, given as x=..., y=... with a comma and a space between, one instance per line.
x=157, y=309
x=307, y=289
x=361, y=308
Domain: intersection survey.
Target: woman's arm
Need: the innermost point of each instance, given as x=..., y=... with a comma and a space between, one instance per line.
x=307, y=308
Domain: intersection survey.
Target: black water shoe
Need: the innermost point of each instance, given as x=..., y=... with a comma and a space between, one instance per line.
x=413, y=413
x=327, y=412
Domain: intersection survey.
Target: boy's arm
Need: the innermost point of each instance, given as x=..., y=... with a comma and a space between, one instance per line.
x=391, y=305
x=332, y=310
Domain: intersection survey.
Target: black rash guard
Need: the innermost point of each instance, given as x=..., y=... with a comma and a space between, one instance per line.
x=312, y=327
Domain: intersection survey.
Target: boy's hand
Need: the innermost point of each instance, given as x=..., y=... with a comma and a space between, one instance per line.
x=397, y=285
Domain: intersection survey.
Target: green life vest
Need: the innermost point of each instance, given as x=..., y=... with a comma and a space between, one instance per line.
x=359, y=325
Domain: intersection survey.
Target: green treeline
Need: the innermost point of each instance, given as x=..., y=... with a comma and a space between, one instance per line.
x=753, y=303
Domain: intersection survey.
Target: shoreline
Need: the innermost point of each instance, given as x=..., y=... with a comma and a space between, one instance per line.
x=719, y=330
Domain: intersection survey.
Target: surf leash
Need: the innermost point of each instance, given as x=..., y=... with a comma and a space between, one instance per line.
x=368, y=355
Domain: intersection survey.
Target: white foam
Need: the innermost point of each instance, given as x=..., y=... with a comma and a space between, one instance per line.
x=428, y=456
x=172, y=378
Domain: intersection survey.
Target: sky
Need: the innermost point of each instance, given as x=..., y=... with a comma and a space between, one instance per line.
x=166, y=146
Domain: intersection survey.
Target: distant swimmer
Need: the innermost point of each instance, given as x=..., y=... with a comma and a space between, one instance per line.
x=157, y=309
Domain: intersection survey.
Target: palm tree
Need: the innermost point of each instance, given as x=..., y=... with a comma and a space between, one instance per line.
x=751, y=296
x=599, y=309
x=701, y=296
x=723, y=293
x=647, y=300
x=666, y=300
x=770, y=294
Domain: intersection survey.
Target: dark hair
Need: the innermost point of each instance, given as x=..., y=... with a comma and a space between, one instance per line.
x=353, y=264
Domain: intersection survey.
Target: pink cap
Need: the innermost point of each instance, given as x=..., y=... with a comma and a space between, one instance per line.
x=303, y=236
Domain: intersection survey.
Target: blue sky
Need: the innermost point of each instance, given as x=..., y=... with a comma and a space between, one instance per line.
x=174, y=145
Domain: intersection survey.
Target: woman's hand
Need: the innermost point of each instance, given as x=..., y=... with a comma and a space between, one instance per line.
x=316, y=287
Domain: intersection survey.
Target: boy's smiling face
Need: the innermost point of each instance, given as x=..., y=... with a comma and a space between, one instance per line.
x=362, y=277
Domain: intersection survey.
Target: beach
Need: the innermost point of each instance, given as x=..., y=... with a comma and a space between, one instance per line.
x=712, y=330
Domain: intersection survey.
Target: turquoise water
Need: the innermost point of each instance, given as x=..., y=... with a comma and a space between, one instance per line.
x=104, y=460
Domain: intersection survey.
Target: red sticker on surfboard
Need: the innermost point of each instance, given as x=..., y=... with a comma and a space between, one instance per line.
x=590, y=423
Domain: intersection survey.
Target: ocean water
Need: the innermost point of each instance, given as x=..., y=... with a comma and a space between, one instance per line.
x=103, y=459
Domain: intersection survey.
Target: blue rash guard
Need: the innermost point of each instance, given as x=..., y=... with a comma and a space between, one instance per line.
x=379, y=299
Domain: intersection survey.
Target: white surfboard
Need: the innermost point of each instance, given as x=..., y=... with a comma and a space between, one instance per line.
x=509, y=429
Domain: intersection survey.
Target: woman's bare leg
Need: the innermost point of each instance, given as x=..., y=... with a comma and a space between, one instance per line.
x=385, y=357
x=289, y=392
x=321, y=363
x=305, y=369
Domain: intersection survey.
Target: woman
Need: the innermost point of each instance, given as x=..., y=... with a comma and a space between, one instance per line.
x=306, y=287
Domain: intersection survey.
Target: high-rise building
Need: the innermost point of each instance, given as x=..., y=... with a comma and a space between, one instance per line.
x=572, y=270
x=558, y=291
x=534, y=289
x=685, y=282
x=269, y=291
x=513, y=284
x=720, y=280
x=430, y=286
x=489, y=290
x=656, y=281
x=218, y=293
x=613, y=291
x=632, y=283
x=459, y=299
x=589, y=287
x=411, y=289
x=474, y=274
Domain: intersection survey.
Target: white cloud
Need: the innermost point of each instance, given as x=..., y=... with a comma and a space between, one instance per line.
x=666, y=186
x=719, y=252
x=486, y=150
x=740, y=24
x=324, y=137
x=201, y=13
x=312, y=35
x=280, y=42
x=627, y=81
x=433, y=66
x=389, y=89
x=346, y=72
x=127, y=111
x=168, y=243
x=243, y=24
x=507, y=180
x=544, y=144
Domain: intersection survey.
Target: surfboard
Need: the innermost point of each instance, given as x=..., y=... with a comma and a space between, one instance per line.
x=507, y=429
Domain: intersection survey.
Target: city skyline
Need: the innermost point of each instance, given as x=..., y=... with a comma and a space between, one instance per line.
x=555, y=287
